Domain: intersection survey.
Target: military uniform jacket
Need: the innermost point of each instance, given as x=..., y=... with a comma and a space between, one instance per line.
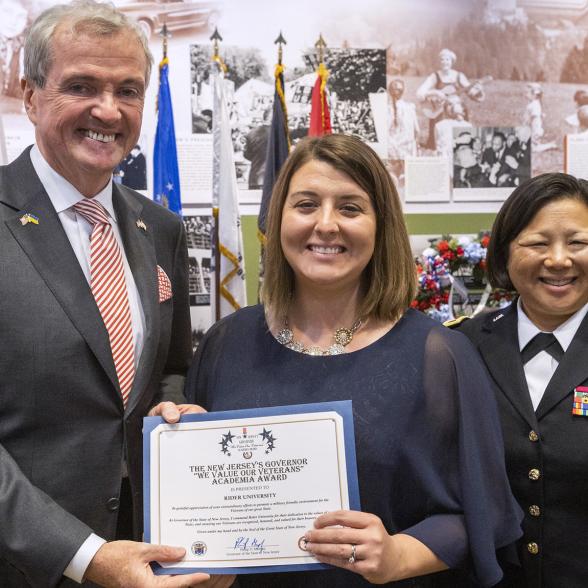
x=546, y=451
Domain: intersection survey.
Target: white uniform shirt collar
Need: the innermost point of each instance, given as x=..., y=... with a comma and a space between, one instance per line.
x=62, y=194
x=564, y=333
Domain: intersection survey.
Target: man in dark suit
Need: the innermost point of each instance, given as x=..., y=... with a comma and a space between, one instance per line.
x=133, y=170
x=82, y=360
x=495, y=163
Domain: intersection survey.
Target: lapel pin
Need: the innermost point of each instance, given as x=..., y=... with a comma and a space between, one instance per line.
x=141, y=224
x=497, y=317
x=29, y=218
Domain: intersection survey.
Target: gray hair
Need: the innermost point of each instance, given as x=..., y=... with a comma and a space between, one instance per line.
x=88, y=16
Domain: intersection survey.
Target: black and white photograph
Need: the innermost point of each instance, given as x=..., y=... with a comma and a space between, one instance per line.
x=249, y=94
x=132, y=170
x=355, y=74
x=198, y=236
x=491, y=157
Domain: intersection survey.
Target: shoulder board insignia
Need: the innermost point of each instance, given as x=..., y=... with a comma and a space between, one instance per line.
x=453, y=323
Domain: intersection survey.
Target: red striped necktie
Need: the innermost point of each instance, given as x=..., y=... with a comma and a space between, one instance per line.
x=109, y=288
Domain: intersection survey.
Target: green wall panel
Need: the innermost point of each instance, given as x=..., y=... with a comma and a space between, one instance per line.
x=427, y=224
x=251, y=247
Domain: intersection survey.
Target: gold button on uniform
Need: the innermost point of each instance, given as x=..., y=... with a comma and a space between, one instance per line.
x=534, y=474
x=533, y=436
x=533, y=548
x=534, y=510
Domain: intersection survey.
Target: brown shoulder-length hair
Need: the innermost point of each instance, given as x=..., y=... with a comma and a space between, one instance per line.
x=390, y=276
x=518, y=211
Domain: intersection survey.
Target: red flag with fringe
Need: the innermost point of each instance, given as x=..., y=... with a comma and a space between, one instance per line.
x=320, y=117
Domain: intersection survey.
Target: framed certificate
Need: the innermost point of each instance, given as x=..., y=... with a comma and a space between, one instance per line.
x=239, y=489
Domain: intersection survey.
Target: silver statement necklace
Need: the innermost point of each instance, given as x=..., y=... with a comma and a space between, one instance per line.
x=341, y=338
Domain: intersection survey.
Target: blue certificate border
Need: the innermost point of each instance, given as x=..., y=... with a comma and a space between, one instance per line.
x=342, y=407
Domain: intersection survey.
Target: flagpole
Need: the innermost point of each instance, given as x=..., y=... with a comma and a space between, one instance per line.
x=280, y=42
x=321, y=46
x=215, y=38
x=230, y=278
x=165, y=34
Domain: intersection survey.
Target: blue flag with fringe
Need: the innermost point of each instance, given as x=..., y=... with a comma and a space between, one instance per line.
x=166, y=177
x=278, y=147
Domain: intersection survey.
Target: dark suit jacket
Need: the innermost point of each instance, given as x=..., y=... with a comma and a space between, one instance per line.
x=502, y=177
x=489, y=156
x=63, y=430
x=135, y=172
x=558, y=449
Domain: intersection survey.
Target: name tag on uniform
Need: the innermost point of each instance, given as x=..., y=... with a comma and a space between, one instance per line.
x=580, y=405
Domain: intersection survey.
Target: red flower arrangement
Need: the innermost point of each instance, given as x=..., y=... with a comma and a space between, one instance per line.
x=434, y=285
x=448, y=258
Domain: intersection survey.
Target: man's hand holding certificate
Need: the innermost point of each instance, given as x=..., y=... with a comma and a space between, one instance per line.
x=239, y=489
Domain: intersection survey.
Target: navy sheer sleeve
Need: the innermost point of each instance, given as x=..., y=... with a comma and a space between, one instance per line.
x=468, y=475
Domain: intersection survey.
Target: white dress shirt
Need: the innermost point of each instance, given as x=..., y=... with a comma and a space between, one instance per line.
x=63, y=196
x=540, y=369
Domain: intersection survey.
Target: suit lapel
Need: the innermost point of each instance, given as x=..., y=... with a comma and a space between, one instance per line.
x=50, y=252
x=500, y=350
x=140, y=252
x=572, y=371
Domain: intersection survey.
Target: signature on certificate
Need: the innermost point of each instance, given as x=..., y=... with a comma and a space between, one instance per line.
x=250, y=544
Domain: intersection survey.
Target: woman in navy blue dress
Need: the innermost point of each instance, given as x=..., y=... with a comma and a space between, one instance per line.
x=436, y=505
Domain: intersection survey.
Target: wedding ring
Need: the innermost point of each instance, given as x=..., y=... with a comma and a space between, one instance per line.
x=351, y=559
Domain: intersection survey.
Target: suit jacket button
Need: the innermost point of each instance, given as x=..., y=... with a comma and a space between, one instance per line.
x=533, y=436
x=534, y=474
x=534, y=510
x=112, y=504
x=533, y=548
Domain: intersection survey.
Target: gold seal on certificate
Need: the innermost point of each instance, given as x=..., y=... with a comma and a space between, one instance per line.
x=239, y=489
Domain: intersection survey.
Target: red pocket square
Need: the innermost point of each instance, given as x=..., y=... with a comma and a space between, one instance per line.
x=165, y=288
